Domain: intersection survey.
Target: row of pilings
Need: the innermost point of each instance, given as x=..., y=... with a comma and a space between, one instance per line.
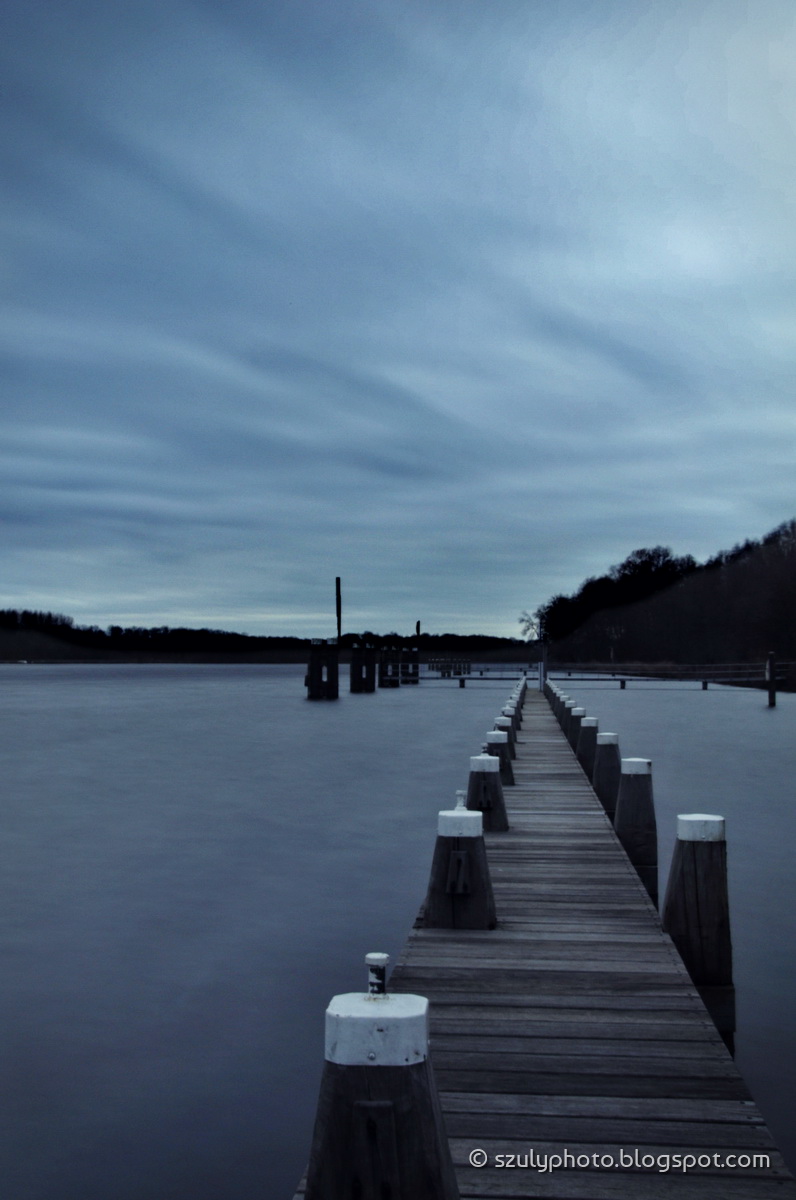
x=695, y=910
x=391, y=667
x=379, y=1132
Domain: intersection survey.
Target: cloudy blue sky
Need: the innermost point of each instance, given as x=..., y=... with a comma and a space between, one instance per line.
x=462, y=300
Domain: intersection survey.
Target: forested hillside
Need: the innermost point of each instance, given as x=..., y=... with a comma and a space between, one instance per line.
x=656, y=608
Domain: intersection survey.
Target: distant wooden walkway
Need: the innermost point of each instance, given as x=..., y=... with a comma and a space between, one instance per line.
x=574, y=1026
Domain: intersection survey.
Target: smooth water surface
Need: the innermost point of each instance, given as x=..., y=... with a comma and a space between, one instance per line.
x=195, y=859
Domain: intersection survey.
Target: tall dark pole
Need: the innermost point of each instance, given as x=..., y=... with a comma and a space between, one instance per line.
x=339, y=608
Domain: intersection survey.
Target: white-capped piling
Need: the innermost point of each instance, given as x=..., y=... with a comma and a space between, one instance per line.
x=512, y=711
x=634, y=821
x=575, y=717
x=587, y=745
x=497, y=743
x=696, y=913
x=566, y=715
x=379, y=1130
x=505, y=724
x=607, y=771
x=460, y=887
x=485, y=793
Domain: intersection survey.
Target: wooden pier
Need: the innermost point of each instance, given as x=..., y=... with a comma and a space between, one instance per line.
x=574, y=1028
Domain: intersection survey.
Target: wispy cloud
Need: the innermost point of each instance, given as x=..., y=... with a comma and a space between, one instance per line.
x=462, y=303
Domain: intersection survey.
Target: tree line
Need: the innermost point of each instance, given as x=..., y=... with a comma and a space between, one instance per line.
x=655, y=607
x=163, y=639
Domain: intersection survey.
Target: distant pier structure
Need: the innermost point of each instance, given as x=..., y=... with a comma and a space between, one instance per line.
x=323, y=670
x=389, y=667
x=363, y=668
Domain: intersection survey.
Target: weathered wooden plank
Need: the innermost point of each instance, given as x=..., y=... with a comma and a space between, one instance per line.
x=617, y=1046
x=601, y=1131
x=699, y=1110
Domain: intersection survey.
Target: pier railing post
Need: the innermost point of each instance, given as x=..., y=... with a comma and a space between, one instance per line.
x=696, y=913
x=379, y=1130
x=634, y=821
x=460, y=892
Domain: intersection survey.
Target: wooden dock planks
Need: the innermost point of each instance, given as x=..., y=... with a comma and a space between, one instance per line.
x=574, y=1025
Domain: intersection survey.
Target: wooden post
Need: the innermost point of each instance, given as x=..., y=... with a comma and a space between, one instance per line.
x=512, y=710
x=771, y=679
x=576, y=715
x=696, y=914
x=339, y=608
x=485, y=792
x=587, y=745
x=506, y=725
x=379, y=1130
x=497, y=744
x=634, y=821
x=566, y=713
x=460, y=887
x=607, y=771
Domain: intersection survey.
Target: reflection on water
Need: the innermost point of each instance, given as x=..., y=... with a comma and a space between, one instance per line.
x=196, y=859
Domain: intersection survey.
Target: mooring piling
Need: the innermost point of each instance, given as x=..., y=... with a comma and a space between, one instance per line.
x=322, y=678
x=586, y=745
x=696, y=913
x=575, y=718
x=634, y=821
x=506, y=725
x=497, y=743
x=362, y=669
x=607, y=771
x=379, y=1130
x=485, y=792
x=460, y=887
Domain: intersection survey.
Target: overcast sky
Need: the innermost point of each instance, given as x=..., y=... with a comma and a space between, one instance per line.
x=462, y=300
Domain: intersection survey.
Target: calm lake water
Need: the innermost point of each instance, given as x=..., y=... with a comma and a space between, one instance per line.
x=196, y=859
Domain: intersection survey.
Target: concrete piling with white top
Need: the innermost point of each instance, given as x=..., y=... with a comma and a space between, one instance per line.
x=696, y=913
x=513, y=711
x=587, y=745
x=460, y=887
x=566, y=715
x=575, y=718
x=634, y=821
x=505, y=724
x=485, y=793
x=379, y=1130
x=607, y=771
x=497, y=743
